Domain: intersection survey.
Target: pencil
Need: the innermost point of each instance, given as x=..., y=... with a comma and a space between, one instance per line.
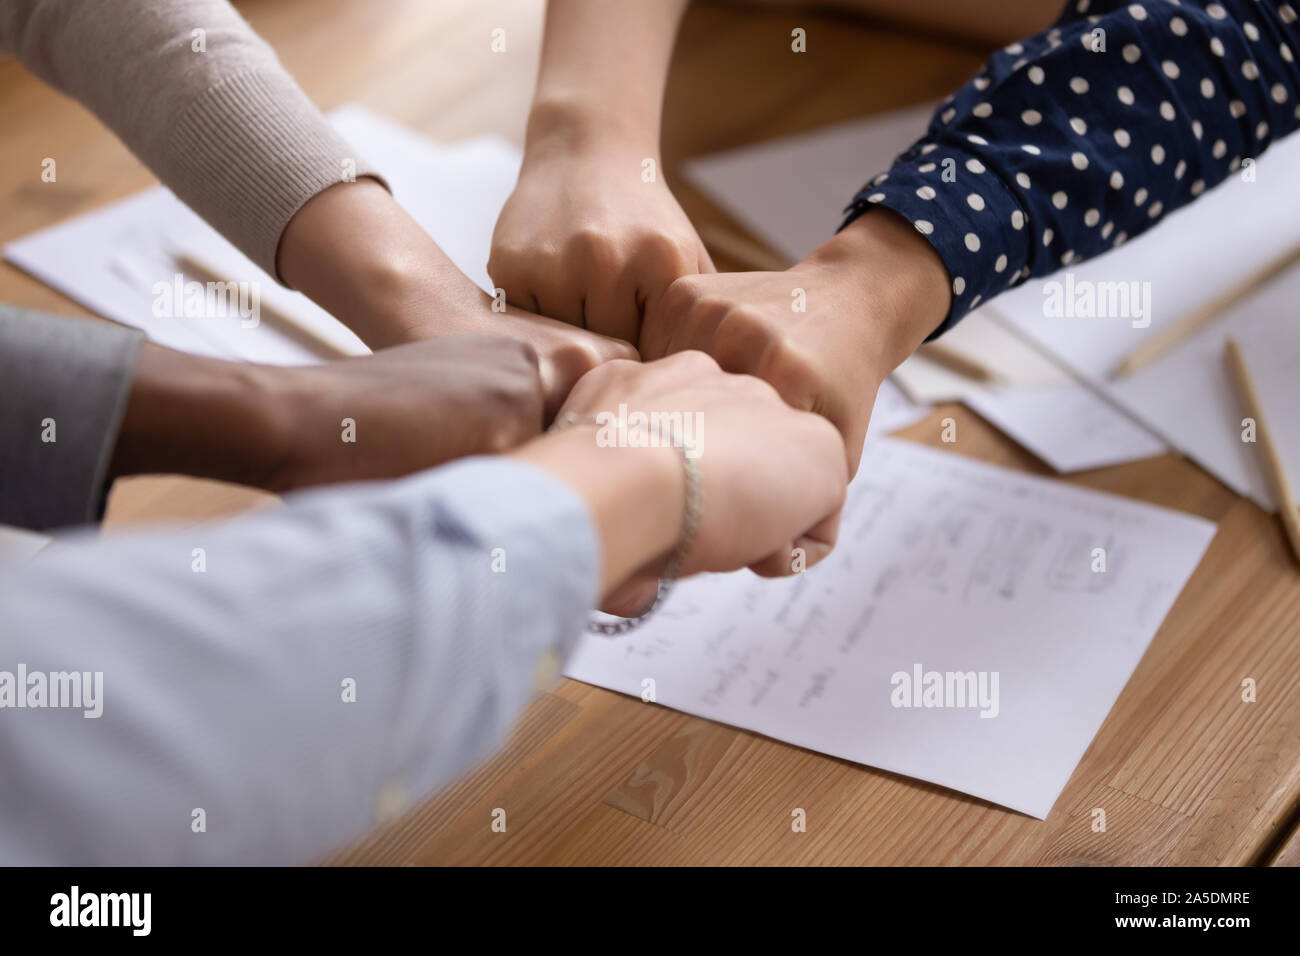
x=1167, y=338
x=200, y=269
x=955, y=361
x=750, y=255
x=1269, y=456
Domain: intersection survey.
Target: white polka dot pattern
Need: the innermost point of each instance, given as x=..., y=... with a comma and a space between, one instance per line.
x=1076, y=140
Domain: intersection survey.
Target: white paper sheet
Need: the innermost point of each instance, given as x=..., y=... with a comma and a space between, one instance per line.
x=949, y=565
x=1045, y=409
x=1066, y=425
x=110, y=259
x=795, y=213
x=1185, y=396
x=893, y=410
x=984, y=336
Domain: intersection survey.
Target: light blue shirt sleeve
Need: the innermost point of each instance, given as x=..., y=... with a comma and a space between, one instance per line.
x=286, y=679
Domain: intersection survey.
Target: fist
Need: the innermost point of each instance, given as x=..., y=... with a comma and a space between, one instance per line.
x=804, y=333
x=772, y=478
x=588, y=240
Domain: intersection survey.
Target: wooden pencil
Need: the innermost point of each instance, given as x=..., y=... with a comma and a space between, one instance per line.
x=200, y=269
x=1167, y=338
x=1268, y=451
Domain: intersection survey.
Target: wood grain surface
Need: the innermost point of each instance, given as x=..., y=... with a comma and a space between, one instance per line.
x=1187, y=772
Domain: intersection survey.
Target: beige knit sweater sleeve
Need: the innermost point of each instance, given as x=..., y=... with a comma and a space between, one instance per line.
x=199, y=97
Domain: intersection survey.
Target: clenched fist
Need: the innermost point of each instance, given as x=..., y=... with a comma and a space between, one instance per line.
x=824, y=333
x=586, y=239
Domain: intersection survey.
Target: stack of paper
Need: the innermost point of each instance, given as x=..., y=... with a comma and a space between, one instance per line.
x=1204, y=249
x=1038, y=400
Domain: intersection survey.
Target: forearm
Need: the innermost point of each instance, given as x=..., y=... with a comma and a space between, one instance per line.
x=635, y=496
x=603, y=71
x=903, y=282
x=293, y=711
x=191, y=415
x=199, y=97
x=360, y=256
x=250, y=413
x=1085, y=136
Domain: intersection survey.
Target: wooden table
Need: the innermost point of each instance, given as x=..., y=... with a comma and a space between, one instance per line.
x=1186, y=771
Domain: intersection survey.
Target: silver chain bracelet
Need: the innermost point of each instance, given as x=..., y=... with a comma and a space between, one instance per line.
x=685, y=541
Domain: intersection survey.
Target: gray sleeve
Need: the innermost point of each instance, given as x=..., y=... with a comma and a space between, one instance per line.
x=63, y=390
x=199, y=97
x=270, y=687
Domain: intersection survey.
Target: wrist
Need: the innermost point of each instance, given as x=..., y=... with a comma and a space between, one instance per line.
x=244, y=422
x=564, y=123
x=356, y=253
x=635, y=496
x=884, y=263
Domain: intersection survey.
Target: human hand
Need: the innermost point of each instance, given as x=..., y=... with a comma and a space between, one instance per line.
x=378, y=416
x=414, y=406
x=585, y=239
x=564, y=352
x=824, y=333
x=361, y=257
x=772, y=479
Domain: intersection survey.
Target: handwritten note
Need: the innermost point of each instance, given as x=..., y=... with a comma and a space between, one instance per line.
x=973, y=628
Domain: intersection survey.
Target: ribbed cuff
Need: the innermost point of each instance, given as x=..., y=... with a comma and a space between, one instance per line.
x=64, y=385
x=250, y=152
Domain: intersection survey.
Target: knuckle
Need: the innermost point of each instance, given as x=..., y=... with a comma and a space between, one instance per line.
x=620, y=368
x=506, y=264
x=611, y=374
x=683, y=293
x=791, y=372
x=518, y=395
x=515, y=408
x=573, y=359
x=660, y=246
x=757, y=389
x=619, y=350
x=742, y=338
x=594, y=248
x=694, y=361
x=524, y=365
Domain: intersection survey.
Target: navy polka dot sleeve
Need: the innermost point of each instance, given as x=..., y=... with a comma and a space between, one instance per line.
x=1069, y=143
